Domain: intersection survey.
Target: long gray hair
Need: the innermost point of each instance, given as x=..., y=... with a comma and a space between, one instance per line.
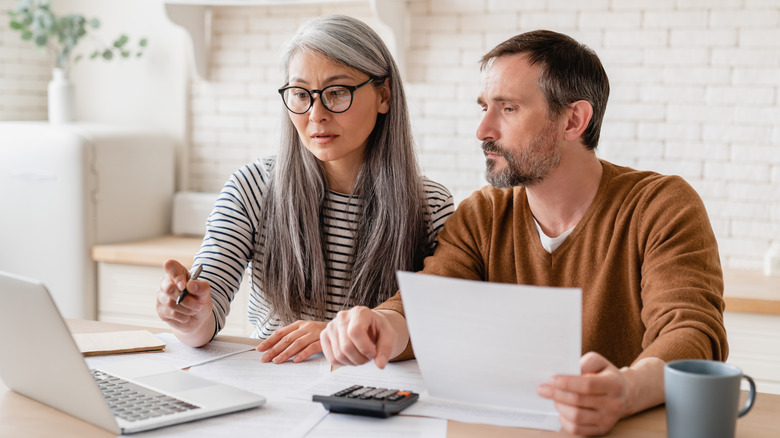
x=390, y=234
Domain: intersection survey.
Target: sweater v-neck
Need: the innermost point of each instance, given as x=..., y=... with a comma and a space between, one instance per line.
x=531, y=234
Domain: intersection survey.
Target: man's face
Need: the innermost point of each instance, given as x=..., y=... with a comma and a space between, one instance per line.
x=520, y=142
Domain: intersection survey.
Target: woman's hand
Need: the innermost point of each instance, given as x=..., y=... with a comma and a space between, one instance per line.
x=192, y=319
x=300, y=339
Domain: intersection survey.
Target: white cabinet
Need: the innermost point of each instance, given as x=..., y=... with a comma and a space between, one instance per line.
x=129, y=276
x=65, y=188
x=754, y=344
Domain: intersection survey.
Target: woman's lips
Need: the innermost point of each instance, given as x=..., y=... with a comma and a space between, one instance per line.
x=323, y=138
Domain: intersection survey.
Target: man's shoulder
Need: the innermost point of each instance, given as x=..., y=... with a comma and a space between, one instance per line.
x=629, y=180
x=492, y=198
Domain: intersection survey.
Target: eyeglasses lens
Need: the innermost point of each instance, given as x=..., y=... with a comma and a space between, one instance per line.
x=335, y=98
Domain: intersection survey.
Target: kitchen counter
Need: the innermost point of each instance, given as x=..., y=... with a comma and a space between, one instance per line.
x=746, y=291
x=149, y=252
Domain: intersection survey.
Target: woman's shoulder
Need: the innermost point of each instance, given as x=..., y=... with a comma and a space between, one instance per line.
x=437, y=196
x=257, y=173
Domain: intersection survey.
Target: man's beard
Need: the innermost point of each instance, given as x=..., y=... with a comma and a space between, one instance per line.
x=526, y=165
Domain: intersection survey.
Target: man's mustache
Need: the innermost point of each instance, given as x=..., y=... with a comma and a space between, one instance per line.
x=491, y=146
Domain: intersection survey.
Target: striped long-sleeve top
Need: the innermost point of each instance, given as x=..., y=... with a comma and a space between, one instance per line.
x=233, y=243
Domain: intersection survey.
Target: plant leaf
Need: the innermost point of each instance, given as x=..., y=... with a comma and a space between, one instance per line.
x=41, y=39
x=108, y=54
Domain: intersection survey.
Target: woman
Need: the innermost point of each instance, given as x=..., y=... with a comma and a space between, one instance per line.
x=326, y=223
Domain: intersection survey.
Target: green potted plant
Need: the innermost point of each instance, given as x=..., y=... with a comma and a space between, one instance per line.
x=59, y=36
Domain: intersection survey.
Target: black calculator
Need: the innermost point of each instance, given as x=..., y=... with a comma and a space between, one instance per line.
x=367, y=400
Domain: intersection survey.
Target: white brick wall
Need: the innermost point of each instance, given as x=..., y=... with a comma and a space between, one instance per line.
x=24, y=74
x=695, y=92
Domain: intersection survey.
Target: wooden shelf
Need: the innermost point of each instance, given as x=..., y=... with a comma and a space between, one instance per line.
x=150, y=252
x=751, y=292
x=195, y=17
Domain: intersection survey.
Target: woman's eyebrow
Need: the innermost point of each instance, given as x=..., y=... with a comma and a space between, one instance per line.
x=327, y=80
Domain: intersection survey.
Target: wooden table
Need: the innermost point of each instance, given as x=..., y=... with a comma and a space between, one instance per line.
x=23, y=417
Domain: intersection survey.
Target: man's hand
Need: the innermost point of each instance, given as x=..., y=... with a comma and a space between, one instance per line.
x=192, y=318
x=591, y=403
x=360, y=334
x=300, y=339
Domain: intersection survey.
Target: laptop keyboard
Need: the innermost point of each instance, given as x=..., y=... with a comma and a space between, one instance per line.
x=134, y=402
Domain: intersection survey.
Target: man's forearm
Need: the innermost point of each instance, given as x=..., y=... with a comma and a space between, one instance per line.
x=644, y=385
x=398, y=323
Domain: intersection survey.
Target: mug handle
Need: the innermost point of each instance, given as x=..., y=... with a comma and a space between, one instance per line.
x=751, y=398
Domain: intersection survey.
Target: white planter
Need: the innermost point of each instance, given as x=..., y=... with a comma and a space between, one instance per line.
x=62, y=101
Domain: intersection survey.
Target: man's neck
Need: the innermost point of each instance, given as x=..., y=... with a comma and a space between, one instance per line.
x=560, y=201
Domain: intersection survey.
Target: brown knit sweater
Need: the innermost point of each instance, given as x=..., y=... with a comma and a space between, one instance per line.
x=644, y=256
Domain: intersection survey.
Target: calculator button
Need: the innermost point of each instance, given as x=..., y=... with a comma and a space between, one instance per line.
x=344, y=392
x=385, y=393
x=358, y=392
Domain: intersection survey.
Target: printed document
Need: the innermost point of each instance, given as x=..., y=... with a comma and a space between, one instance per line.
x=483, y=348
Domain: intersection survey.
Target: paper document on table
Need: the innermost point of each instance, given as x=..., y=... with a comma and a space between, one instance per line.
x=396, y=375
x=246, y=371
x=180, y=355
x=490, y=345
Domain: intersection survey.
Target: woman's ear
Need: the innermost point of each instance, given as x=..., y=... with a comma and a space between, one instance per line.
x=578, y=119
x=384, y=96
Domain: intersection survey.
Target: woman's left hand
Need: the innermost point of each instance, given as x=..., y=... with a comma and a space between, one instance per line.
x=300, y=339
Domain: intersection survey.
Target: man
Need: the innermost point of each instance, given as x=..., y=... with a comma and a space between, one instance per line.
x=639, y=244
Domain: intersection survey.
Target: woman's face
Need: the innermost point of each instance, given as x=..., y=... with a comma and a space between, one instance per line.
x=337, y=139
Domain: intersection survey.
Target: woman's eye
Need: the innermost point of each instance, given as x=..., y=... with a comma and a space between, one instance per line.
x=336, y=93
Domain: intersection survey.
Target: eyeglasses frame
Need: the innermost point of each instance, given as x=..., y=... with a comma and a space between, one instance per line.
x=311, y=93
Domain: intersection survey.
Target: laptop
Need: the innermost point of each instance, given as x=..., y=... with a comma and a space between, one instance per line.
x=40, y=360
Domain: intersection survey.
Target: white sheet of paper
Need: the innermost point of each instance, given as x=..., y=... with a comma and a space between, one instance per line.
x=492, y=344
x=342, y=425
x=280, y=417
x=245, y=371
x=396, y=375
x=178, y=354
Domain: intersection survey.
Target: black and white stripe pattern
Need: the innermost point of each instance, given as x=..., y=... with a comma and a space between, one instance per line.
x=234, y=242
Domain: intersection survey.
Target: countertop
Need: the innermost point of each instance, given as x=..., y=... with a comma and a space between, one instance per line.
x=745, y=291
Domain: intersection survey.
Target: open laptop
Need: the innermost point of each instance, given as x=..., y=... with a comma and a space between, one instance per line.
x=40, y=360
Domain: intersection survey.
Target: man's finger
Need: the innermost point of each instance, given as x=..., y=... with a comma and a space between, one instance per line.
x=593, y=363
x=327, y=349
x=384, y=346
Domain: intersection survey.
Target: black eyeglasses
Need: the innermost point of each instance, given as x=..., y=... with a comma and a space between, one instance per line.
x=335, y=98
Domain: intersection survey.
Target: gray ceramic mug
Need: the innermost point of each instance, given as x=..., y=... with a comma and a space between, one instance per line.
x=702, y=398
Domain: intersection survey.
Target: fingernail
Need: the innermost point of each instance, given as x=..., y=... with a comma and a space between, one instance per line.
x=265, y=358
x=180, y=285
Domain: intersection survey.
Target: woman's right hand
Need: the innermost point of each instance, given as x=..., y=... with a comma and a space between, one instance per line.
x=192, y=317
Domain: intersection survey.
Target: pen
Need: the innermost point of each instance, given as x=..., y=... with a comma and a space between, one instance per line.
x=184, y=291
